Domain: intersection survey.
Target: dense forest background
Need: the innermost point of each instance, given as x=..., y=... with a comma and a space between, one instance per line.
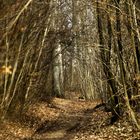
x=63, y=48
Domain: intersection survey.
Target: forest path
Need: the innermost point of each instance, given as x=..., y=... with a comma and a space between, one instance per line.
x=66, y=120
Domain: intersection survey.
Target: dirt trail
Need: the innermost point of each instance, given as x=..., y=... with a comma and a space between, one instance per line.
x=65, y=120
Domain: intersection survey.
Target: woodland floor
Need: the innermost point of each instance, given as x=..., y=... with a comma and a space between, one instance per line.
x=67, y=120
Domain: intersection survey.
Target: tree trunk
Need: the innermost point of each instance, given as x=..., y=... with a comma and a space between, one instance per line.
x=57, y=70
x=106, y=64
